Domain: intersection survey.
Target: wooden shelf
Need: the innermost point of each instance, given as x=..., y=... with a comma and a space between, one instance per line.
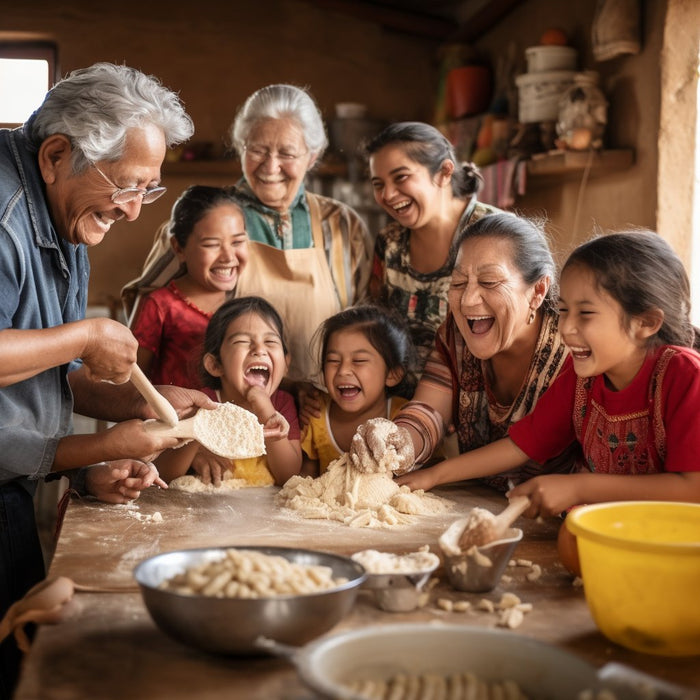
x=563, y=162
x=230, y=168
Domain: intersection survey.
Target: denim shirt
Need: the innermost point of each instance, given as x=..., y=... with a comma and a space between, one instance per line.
x=43, y=283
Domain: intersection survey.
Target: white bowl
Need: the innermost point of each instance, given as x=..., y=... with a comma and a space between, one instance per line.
x=550, y=58
x=539, y=94
x=382, y=652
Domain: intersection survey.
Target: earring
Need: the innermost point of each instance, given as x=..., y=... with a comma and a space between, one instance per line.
x=531, y=317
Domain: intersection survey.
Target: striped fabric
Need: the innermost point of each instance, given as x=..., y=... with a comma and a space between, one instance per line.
x=478, y=418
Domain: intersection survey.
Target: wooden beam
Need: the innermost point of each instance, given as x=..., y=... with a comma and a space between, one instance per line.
x=408, y=22
x=484, y=19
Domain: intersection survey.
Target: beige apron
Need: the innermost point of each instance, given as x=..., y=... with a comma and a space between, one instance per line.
x=299, y=285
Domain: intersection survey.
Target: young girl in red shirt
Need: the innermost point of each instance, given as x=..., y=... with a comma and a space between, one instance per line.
x=208, y=237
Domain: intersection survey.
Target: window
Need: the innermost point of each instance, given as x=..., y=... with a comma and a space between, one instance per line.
x=27, y=71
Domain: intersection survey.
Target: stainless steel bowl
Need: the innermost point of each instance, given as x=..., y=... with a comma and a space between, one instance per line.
x=399, y=591
x=232, y=625
x=480, y=568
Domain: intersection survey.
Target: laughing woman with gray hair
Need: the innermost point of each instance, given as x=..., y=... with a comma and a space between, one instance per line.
x=310, y=255
x=495, y=354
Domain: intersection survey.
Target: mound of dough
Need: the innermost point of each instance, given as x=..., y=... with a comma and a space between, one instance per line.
x=230, y=431
x=193, y=484
x=357, y=498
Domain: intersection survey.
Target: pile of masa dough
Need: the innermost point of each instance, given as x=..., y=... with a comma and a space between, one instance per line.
x=359, y=498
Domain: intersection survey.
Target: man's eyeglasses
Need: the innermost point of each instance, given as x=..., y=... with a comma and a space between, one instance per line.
x=124, y=195
x=260, y=154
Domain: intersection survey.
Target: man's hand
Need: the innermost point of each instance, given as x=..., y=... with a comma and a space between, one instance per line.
x=122, y=480
x=185, y=401
x=109, y=351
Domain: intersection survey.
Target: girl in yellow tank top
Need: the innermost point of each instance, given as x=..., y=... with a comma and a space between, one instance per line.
x=368, y=363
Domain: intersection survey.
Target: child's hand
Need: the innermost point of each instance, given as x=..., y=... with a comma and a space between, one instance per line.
x=309, y=403
x=276, y=427
x=420, y=479
x=209, y=467
x=260, y=403
x=549, y=494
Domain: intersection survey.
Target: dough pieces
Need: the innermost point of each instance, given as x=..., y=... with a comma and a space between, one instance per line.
x=193, y=484
x=358, y=498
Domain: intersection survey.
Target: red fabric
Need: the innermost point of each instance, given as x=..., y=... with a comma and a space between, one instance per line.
x=173, y=330
x=613, y=436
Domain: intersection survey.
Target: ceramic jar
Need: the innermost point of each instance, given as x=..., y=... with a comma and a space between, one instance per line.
x=583, y=114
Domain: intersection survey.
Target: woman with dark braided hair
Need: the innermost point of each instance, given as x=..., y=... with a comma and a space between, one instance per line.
x=418, y=181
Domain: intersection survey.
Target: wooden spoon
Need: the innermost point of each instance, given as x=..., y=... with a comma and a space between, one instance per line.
x=163, y=408
x=483, y=526
x=228, y=430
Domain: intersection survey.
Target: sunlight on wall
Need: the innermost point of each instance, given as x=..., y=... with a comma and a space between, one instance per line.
x=23, y=85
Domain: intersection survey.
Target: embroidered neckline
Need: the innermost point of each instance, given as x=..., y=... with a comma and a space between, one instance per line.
x=173, y=288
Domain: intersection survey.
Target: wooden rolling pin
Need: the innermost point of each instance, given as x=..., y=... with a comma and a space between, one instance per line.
x=163, y=408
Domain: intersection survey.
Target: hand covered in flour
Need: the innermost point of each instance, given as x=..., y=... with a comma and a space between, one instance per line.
x=380, y=445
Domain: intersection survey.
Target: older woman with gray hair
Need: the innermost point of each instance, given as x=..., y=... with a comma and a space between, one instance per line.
x=495, y=355
x=87, y=158
x=310, y=255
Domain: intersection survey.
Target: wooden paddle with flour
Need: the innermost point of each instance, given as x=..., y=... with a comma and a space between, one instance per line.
x=228, y=431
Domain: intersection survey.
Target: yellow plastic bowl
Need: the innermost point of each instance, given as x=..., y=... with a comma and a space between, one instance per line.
x=640, y=563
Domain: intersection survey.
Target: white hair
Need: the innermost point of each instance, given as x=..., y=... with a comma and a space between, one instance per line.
x=280, y=102
x=96, y=106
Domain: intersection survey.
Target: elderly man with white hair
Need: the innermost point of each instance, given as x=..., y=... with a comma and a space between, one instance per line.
x=87, y=158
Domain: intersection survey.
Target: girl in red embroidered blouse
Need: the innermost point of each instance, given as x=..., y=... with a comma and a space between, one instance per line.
x=208, y=236
x=629, y=392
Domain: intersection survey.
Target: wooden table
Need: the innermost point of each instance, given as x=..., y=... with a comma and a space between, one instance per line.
x=110, y=648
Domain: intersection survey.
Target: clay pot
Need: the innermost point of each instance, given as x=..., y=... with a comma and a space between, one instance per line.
x=468, y=91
